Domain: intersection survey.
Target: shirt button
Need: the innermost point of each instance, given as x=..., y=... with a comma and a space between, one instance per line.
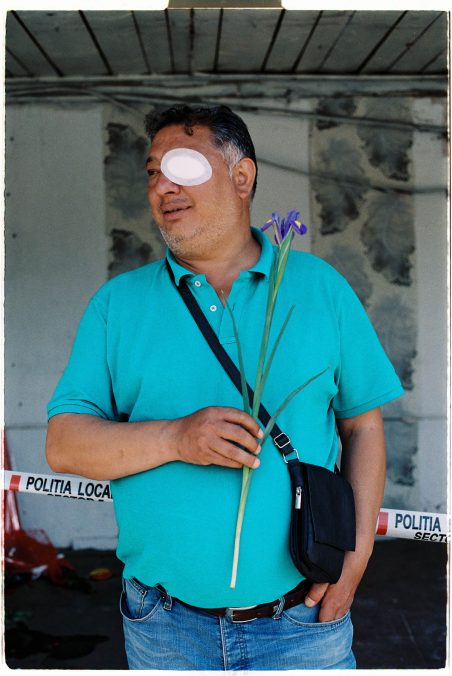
x=213, y=308
x=197, y=283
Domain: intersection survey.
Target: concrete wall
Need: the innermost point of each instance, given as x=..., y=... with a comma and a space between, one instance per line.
x=384, y=228
x=76, y=214
x=56, y=256
x=432, y=244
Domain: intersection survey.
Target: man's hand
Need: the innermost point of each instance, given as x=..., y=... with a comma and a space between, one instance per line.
x=104, y=450
x=336, y=599
x=363, y=464
x=209, y=437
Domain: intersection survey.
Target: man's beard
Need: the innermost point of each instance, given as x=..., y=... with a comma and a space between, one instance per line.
x=178, y=243
x=194, y=242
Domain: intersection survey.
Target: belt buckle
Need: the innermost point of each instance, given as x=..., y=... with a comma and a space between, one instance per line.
x=229, y=612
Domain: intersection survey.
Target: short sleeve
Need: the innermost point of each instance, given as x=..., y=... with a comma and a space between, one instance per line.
x=85, y=386
x=365, y=378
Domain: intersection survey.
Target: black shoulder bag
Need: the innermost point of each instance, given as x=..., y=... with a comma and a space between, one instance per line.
x=322, y=524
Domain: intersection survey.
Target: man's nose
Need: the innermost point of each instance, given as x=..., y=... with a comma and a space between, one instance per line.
x=164, y=185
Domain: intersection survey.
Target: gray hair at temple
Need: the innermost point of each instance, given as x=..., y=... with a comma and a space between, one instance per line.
x=230, y=133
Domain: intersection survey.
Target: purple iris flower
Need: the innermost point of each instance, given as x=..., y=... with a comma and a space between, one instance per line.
x=283, y=226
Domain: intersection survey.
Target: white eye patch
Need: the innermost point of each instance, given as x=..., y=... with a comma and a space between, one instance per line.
x=185, y=166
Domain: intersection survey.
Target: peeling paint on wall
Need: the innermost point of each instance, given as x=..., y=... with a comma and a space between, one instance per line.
x=346, y=260
x=388, y=235
x=334, y=107
x=129, y=252
x=135, y=239
x=386, y=148
x=395, y=324
x=124, y=170
x=364, y=226
x=401, y=435
x=340, y=200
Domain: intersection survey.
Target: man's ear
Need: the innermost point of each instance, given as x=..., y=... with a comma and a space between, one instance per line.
x=243, y=175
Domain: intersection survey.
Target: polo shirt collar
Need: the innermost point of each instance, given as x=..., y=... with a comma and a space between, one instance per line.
x=262, y=266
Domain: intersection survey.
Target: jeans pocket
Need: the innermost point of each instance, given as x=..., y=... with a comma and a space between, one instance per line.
x=139, y=602
x=303, y=616
x=326, y=645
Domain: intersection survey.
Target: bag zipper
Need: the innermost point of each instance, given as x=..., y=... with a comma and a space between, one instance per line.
x=298, y=492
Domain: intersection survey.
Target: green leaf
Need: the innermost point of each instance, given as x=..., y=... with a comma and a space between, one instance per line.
x=283, y=256
x=243, y=383
x=246, y=480
x=275, y=346
x=271, y=298
x=272, y=420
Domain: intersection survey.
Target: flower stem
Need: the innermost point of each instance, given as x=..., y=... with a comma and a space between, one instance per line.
x=284, y=242
x=271, y=300
x=243, y=381
x=246, y=480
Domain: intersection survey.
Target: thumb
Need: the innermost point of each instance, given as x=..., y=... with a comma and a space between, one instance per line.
x=316, y=594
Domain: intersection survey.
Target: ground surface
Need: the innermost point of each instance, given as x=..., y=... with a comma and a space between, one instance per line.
x=399, y=613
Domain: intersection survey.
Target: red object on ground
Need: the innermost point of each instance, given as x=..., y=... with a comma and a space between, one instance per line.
x=28, y=551
x=31, y=552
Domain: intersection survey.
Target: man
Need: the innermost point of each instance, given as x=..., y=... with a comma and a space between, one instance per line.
x=175, y=466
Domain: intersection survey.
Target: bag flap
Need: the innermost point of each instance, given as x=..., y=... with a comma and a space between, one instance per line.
x=332, y=506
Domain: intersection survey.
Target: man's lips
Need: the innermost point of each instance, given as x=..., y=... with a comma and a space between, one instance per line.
x=167, y=209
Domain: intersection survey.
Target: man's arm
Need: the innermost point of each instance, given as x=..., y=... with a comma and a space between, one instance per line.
x=103, y=450
x=364, y=465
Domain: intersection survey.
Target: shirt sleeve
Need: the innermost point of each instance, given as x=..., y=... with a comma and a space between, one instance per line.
x=85, y=386
x=365, y=378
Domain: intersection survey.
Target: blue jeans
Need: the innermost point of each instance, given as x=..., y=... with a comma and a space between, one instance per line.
x=162, y=633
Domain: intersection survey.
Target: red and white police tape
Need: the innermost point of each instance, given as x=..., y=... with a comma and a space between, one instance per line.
x=397, y=523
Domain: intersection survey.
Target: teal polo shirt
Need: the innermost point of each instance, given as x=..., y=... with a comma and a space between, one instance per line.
x=138, y=351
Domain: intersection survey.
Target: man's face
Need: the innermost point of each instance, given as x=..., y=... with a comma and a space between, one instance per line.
x=192, y=219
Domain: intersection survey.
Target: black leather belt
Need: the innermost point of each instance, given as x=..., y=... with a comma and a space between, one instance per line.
x=292, y=598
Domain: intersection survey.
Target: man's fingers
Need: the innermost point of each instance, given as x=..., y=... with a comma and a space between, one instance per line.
x=205, y=435
x=240, y=436
x=223, y=461
x=234, y=415
x=316, y=594
x=234, y=453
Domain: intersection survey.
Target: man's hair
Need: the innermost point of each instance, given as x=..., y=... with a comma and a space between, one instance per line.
x=230, y=133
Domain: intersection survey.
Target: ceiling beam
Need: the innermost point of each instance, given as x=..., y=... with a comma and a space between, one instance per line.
x=226, y=4
x=243, y=88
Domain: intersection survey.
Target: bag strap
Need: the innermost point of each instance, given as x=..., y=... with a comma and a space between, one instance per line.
x=280, y=439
